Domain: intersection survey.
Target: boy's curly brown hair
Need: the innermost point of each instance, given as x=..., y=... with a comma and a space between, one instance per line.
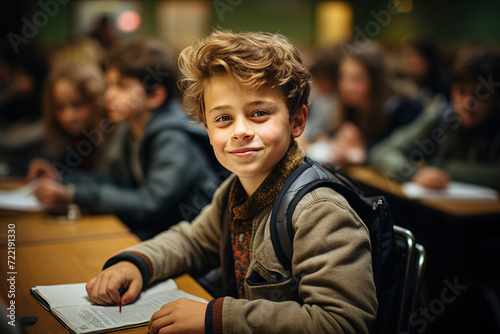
x=252, y=59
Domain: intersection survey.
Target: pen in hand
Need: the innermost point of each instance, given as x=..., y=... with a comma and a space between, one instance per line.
x=121, y=290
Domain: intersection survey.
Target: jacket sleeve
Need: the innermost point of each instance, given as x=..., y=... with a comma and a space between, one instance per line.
x=476, y=172
x=186, y=247
x=174, y=166
x=393, y=156
x=332, y=267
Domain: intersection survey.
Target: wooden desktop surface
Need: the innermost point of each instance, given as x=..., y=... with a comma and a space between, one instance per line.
x=368, y=177
x=66, y=262
x=38, y=228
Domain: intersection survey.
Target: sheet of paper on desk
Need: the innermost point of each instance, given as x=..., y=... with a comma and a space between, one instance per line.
x=455, y=191
x=20, y=199
x=70, y=304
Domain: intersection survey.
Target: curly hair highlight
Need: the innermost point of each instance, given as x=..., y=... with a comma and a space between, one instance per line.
x=252, y=59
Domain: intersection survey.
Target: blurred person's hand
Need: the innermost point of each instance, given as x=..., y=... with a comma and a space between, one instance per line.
x=349, y=136
x=53, y=195
x=432, y=178
x=41, y=168
x=349, y=146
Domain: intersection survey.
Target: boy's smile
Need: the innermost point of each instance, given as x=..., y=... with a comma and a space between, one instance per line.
x=250, y=131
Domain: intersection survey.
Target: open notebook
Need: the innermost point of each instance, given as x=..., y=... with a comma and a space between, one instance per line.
x=70, y=304
x=454, y=191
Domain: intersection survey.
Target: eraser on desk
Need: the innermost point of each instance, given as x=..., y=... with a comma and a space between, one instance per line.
x=27, y=321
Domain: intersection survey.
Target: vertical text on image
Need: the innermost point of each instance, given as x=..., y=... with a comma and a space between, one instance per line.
x=11, y=274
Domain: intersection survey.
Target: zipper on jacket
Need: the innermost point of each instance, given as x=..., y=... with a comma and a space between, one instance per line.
x=379, y=206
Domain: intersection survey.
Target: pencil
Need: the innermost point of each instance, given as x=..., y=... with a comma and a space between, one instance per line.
x=121, y=290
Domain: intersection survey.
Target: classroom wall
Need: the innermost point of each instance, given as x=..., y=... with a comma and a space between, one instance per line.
x=449, y=21
x=446, y=21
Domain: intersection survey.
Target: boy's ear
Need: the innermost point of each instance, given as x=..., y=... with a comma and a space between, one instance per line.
x=156, y=97
x=209, y=136
x=299, y=122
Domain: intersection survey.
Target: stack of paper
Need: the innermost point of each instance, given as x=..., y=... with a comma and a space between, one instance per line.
x=454, y=191
x=21, y=199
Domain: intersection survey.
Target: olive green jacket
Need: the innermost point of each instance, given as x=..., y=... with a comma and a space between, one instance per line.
x=437, y=138
x=330, y=288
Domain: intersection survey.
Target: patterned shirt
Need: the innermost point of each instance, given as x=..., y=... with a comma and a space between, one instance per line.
x=245, y=209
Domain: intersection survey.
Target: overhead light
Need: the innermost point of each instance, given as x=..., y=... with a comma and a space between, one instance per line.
x=128, y=21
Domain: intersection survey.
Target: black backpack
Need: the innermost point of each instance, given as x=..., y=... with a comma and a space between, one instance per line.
x=375, y=213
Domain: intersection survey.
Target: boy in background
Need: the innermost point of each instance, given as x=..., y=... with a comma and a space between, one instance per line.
x=461, y=142
x=162, y=175
x=251, y=92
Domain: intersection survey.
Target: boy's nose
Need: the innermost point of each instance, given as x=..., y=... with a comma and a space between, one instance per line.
x=242, y=130
x=469, y=103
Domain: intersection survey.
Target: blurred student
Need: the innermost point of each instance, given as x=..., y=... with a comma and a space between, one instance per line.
x=21, y=126
x=250, y=90
x=322, y=117
x=369, y=108
x=163, y=174
x=460, y=142
x=77, y=131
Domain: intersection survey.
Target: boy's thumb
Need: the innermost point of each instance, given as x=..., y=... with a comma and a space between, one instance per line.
x=132, y=292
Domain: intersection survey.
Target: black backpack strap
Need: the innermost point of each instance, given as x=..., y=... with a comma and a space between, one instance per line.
x=307, y=177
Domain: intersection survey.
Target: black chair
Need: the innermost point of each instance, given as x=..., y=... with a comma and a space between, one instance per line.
x=413, y=257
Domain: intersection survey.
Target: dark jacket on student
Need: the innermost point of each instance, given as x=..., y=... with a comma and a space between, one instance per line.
x=438, y=139
x=329, y=288
x=162, y=179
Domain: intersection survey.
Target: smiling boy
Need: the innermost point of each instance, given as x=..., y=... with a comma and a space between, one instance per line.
x=251, y=91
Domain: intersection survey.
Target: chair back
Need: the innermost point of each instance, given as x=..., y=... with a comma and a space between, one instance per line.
x=413, y=258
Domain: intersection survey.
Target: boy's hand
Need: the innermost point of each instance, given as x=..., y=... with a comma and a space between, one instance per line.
x=51, y=194
x=432, y=178
x=103, y=289
x=42, y=168
x=181, y=316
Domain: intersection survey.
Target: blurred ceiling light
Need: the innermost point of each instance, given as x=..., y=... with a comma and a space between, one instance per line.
x=333, y=21
x=128, y=21
x=403, y=6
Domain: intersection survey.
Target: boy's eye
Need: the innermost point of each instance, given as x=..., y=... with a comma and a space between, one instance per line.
x=481, y=91
x=260, y=113
x=223, y=118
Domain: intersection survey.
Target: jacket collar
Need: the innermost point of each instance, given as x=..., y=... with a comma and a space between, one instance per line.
x=244, y=207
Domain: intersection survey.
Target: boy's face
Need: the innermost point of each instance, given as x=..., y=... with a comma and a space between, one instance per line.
x=125, y=97
x=249, y=131
x=473, y=103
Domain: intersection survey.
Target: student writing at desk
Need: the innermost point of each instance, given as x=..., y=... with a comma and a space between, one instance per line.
x=162, y=175
x=251, y=90
x=460, y=142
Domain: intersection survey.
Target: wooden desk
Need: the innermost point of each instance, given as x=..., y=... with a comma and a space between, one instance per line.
x=368, y=177
x=37, y=228
x=11, y=183
x=62, y=263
